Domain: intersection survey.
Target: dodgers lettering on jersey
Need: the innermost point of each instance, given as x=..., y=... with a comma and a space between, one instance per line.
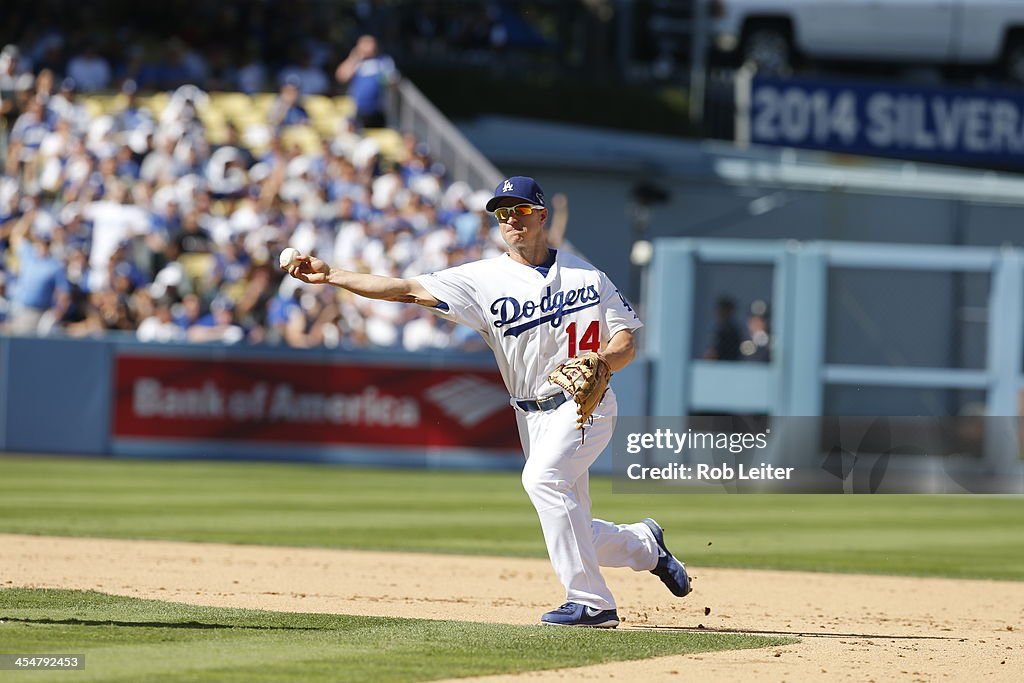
x=553, y=308
x=533, y=322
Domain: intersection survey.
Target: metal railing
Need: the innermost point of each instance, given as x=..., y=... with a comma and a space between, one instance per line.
x=411, y=112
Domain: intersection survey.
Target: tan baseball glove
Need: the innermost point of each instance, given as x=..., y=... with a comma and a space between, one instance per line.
x=586, y=379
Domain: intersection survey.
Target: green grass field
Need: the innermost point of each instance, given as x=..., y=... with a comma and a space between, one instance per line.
x=488, y=513
x=455, y=512
x=126, y=639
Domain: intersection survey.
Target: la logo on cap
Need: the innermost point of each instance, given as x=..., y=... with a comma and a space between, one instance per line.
x=507, y=187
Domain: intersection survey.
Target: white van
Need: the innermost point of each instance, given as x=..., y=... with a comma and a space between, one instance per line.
x=773, y=34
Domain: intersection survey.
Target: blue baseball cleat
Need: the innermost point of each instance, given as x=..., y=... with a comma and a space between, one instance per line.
x=575, y=614
x=670, y=570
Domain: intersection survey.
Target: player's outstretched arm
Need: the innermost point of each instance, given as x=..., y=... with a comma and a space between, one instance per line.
x=318, y=272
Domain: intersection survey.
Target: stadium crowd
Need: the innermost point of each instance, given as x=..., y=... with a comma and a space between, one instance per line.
x=241, y=45
x=135, y=221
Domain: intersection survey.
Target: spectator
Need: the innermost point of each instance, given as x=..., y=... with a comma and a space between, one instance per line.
x=382, y=322
x=368, y=76
x=287, y=109
x=313, y=323
x=218, y=325
x=231, y=262
x=726, y=336
x=159, y=163
x=281, y=309
x=43, y=86
x=160, y=326
x=115, y=220
x=10, y=74
x=226, y=172
x=110, y=312
x=40, y=276
x=193, y=238
x=188, y=311
x=253, y=302
x=90, y=70
x=425, y=332
x=21, y=64
x=133, y=117
x=65, y=106
x=126, y=166
x=27, y=135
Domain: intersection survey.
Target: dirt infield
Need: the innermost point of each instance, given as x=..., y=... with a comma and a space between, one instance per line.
x=852, y=627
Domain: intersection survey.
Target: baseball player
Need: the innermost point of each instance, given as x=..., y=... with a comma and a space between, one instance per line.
x=558, y=328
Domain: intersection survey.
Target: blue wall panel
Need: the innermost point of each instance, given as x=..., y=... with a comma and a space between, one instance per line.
x=58, y=396
x=5, y=387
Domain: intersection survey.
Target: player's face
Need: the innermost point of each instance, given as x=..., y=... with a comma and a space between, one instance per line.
x=518, y=229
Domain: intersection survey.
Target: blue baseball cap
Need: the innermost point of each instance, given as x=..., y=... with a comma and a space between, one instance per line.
x=520, y=187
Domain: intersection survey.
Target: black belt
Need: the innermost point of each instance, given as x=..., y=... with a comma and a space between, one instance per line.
x=542, y=404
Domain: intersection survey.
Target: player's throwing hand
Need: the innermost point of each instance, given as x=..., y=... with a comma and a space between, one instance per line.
x=308, y=269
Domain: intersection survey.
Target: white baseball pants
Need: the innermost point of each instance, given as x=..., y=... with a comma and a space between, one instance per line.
x=556, y=477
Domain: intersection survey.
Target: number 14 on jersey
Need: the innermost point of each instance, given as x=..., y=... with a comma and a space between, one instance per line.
x=590, y=341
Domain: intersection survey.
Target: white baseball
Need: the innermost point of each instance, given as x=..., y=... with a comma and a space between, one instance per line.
x=289, y=255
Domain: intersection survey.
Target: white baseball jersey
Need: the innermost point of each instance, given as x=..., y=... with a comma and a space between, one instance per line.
x=533, y=322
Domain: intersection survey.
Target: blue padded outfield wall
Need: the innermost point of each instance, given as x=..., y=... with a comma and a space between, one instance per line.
x=120, y=398
x=55, y=395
